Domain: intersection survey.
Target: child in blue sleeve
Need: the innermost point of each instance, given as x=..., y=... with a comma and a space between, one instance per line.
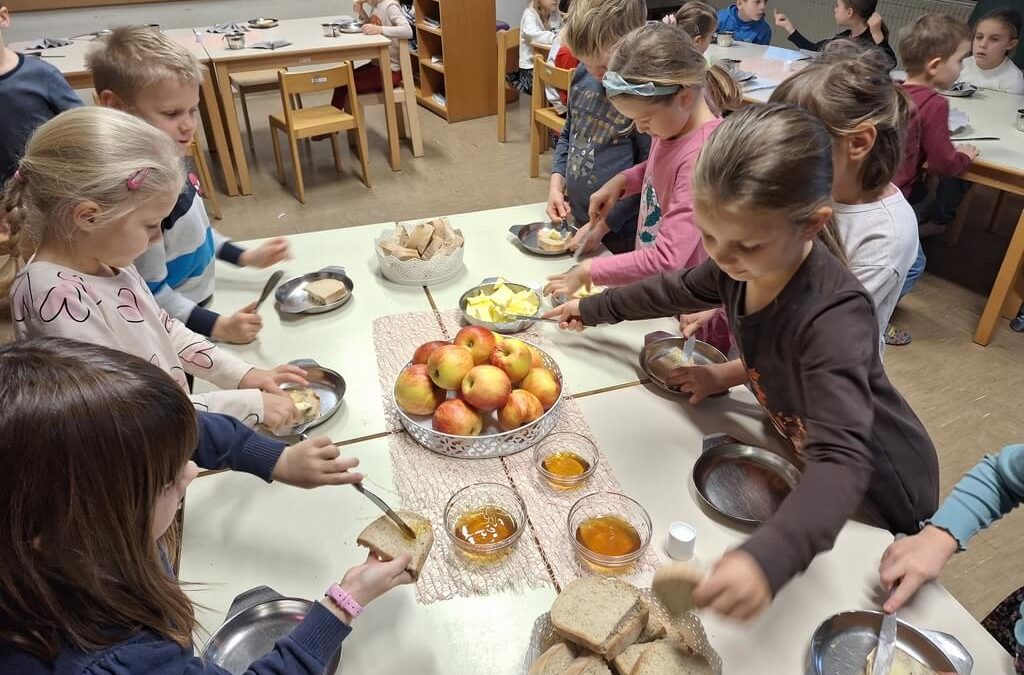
x=98, y=452
x=989, y=491
x=745, y=20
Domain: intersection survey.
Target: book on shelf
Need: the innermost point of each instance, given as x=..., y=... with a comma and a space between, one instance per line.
x=433, y=23
x=440, y=99
x=437, y=59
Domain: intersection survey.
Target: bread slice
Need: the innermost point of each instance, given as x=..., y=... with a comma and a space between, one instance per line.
x=626, y=661
x=902, y=664
x=667, y=657
x=420, y=236
x=398, y=251
x=588, y=665
x=307, y=402
x=551, y=239
x=655, y=629
x=384, y=538
x=603, y=615
x=555, y=661
x=673, y=585
x=326, y=291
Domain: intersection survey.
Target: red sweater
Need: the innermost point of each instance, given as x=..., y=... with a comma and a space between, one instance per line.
x=927, y=139
x=565, y=59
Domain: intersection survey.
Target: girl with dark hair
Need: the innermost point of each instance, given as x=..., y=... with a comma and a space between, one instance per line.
x=859, y=22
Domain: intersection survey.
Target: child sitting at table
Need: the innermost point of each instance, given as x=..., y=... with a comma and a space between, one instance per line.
x=657, y=78
x=989, y=66
x=98, y=454
x=143, y=72
x=860, y=21
x=596, y=142
x=989, y=491
x=89, y=195
x=384, y=18
x=808, y=338
x=700, y=22
x=541, y=23
x=745, y=20
x=931, y=50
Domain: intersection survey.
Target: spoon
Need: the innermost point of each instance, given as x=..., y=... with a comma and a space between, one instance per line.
x=268, y=288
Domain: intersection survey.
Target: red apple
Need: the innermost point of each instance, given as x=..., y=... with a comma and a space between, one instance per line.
x=486, y=387
x=543, y=384
x=448, y=365
x=514, y=357
x=522, y=408
x=415, y=392
x=478, y=340
x=538, y=362
x=456, y=418
x=424, y=351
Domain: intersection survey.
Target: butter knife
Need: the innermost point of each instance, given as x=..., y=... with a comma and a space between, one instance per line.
x=268, y=288
x=886, y=646
x=395, y=518
x=691, y=343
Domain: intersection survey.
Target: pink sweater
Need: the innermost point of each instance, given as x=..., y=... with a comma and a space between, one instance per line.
x=666, y=236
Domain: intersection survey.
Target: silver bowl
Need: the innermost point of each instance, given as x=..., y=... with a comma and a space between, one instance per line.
x=656, y=358
x=504, y=327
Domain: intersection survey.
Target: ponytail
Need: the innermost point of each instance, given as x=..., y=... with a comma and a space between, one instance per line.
x=12, y=218
x=833, y=241
x=723, y=90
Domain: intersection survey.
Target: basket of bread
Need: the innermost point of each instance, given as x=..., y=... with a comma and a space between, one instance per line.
x=420, y=254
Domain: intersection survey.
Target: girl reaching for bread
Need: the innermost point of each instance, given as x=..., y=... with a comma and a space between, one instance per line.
x=89, y=195
x=808, y=339
x=83, y=549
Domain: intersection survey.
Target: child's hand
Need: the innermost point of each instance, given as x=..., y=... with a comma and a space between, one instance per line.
x=279, y=412
x=372, y=29
x=568, y=283
x=913, y=561
x=592, y=233
x=875, y=22
x=969, y=150
x=568, y=316
x=670, y=19
x=736, y=587
x=602, y=201
x=239, y=328
x=700, y=381
x=266, y=254
x=367, y=582
x=313, y=463
x=691, y=323
x=269, y=381
x=782, y=21
x=558, y=205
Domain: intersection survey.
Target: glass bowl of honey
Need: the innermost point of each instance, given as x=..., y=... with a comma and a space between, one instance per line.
x=566, y=459
x=609, y=530
x=485, y=520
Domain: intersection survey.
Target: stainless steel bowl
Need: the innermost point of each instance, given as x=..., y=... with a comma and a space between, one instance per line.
x=744, y=483
x=504, y=327
x=292, y=298
x=328, y=385
x=526, y=237
x=350, y=26
x=263, y=22
x=657, y=358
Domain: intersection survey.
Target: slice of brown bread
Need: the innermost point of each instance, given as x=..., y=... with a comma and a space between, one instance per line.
x=602, y=615
x=902, y=663
x=626, y=661
x=384, y=538
x=555, y=661
x=655, y=628
x=667, y=657
x=673, y=585
x=588, y=665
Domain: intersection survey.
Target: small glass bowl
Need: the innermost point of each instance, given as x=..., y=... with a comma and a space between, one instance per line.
x=475, y=497
x=566, y=441
x=599, y=504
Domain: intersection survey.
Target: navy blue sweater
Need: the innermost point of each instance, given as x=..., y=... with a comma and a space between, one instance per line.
x=225, y=443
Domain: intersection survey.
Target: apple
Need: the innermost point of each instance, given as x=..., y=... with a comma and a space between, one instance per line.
x=415, y=392
x=456, y=418
x=514, y=357
x=543, y=384
x=478, y=340
x=498, y=337
x=448, y=365
x=522, y=408
x=424, y=351
x=538, y=362
x=486, y=387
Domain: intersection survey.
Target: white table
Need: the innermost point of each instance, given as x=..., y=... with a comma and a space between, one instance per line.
x=771, y=65
x=606, y=357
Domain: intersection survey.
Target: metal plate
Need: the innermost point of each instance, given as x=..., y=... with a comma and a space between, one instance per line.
x=559, y=299
x=744, y=483
x=251, y=632
x=960, y=90
x=328, y=385
x=841, y=644
x=526, y=237
x=350, y=26
x=658, y=358
x=263, y=22
x=505, y=327
x=743, y=76
x=292, y=298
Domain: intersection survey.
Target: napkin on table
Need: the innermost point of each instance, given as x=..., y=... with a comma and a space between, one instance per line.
x=958, y=120
x=228, y=28
x=47, y=43
x=270, y=44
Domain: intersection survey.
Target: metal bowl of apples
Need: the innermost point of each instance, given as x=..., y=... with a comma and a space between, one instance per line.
x=479, y=396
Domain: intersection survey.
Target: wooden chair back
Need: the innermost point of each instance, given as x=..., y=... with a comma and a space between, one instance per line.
x=552, y=76
x=508, y=61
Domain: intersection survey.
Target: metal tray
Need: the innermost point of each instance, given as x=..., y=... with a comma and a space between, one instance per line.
x=841, y=644
x=492, y=442
x=505, y=327
x=263, y=22
x=656, y=358
x=256, y=620
x=328, y=385
x=743, y=75
x=744, y=483
x=291, y=296
x=960, y=90
x=350, y=26
x=526, y=237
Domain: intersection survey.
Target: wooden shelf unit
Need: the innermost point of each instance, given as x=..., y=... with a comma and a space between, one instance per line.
x=465, y=41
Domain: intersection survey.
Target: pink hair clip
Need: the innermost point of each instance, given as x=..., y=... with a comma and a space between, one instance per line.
x=136, y=180
x=19, y=177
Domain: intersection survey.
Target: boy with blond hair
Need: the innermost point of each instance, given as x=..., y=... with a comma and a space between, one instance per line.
x=143, y=72
x=597, y=142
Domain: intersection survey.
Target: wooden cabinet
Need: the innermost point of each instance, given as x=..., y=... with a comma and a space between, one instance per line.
x=456, y=58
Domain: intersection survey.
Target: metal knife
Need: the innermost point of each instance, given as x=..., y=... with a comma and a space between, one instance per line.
x=886, y=646
x=268, y=288
x=402, y=525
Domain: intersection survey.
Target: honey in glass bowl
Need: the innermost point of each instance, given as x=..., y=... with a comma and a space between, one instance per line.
x=608, y=535
x=485, y=526
x=566, y=460
x=566, y=464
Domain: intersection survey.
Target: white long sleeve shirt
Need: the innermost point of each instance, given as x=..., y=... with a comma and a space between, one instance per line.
x=1004, y=77
x=394, y=25
x=531, y=29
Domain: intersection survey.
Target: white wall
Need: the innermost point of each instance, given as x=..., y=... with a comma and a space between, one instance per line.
x=183, y=14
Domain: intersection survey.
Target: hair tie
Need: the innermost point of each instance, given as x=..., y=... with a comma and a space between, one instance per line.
x=18, y=176
x=614, y=85
x=136, y=180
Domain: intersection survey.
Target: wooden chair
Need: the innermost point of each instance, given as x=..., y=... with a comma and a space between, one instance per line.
x=508, y=41
x=543, y=115
x=541, y=49
x=405, y=102
x=252, y=82
x=298, y=124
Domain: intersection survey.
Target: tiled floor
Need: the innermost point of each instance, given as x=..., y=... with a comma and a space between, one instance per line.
x=968, y=396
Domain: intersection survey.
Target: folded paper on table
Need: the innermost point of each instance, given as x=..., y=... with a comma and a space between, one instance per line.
x=270, y=44
x=47, y=43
